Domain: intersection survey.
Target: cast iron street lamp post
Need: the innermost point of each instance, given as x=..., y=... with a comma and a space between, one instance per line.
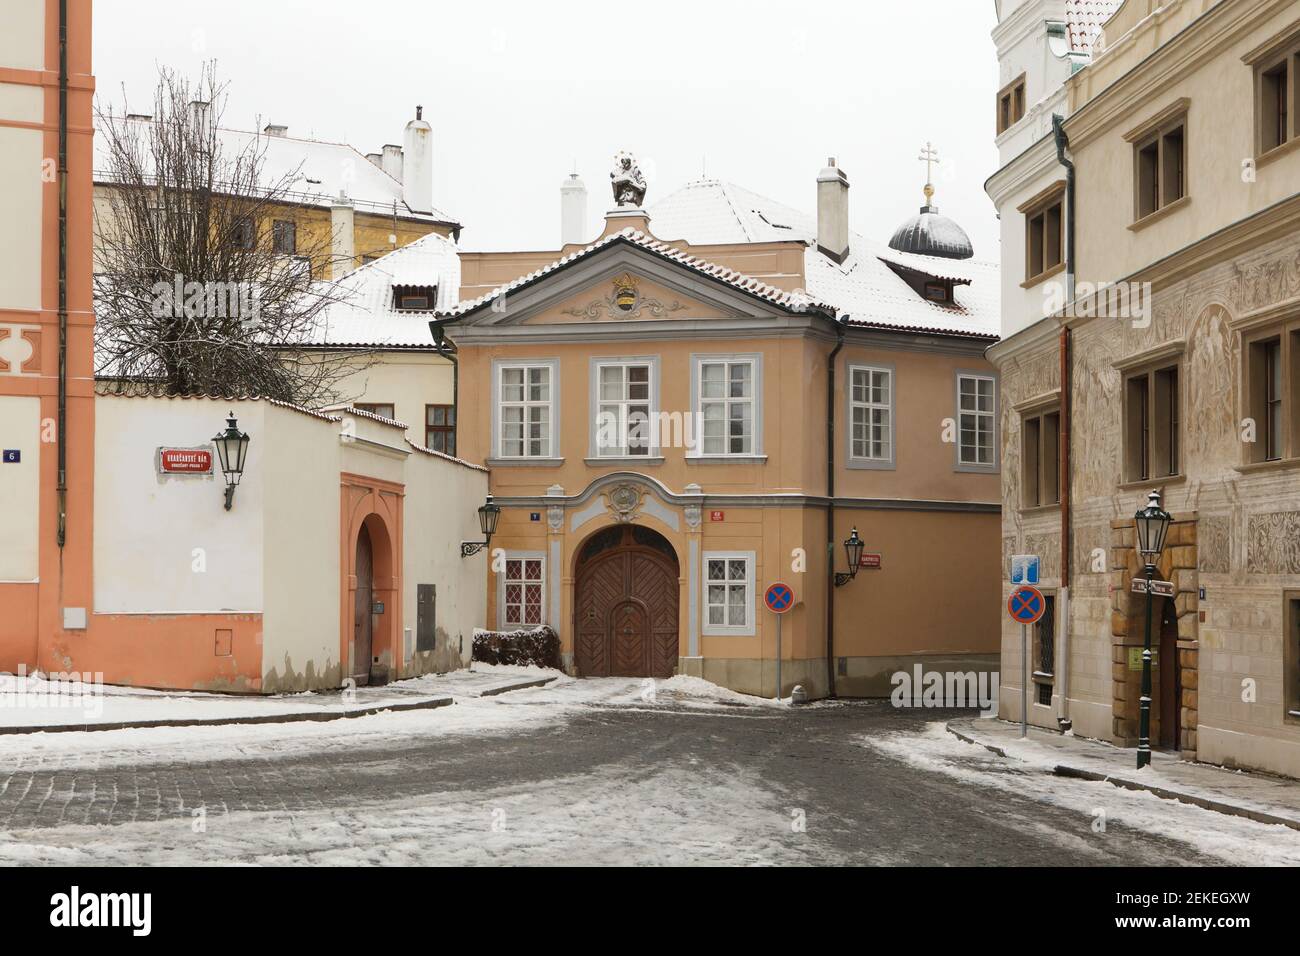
x=853, y=547
x=1152, y=523
x=232, y=449
x=488, y=516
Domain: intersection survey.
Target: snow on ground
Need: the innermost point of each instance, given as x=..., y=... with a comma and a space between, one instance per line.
x=1235, y=840
x=673, y=814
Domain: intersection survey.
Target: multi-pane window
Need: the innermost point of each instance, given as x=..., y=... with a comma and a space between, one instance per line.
x=1291, y=656
x=1152, y=424
x=521, y=604
x=1011, y=104
x=728, y=591
x=871, y=413
x=284, y=236
x=382, y=409
x=1271, y=373
x=623, y=410
x=1161, y=168
x=727, y=407
x=1044, y=235
x=1044, y=653
x=1277, y=85
x=1040, y=457
x=440, y=428
x=1273, y=400
x=524, y=404
x=242, y=233
x=976, y=410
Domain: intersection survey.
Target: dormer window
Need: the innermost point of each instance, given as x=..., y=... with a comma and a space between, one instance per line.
x=939, y=292
x=415, y=298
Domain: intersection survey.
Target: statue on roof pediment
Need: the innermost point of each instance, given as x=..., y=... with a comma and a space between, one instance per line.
x=627, y=181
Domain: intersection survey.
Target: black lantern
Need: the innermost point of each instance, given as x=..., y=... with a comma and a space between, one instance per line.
x=232, y=450
x=488, y=516
x=1152, y=525
x=853, y=546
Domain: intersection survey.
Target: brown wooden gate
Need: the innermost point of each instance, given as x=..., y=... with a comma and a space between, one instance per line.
x=363, y=622
x=626, y=602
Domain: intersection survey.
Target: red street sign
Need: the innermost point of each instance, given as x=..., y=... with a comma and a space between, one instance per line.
x=779, y=598
x=185, y=461
x=1026, y=605
x=869, y=561
x=717, y=516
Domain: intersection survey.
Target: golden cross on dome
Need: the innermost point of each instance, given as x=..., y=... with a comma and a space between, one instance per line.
x=929, y=156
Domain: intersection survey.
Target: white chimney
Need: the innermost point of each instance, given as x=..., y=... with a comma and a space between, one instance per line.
x=273, y=129
x=573, y=211
x=376, y=159
x=201, y=117
x=390, y=161
x=342, y=235
x=417, y=161
x=833, y=211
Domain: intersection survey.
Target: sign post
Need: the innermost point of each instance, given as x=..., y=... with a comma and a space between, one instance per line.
x=779, y=599
x=1026, y=606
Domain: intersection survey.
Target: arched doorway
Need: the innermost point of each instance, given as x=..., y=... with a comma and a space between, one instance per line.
x=1167, y=680
x=625, y=604
x=363, y=620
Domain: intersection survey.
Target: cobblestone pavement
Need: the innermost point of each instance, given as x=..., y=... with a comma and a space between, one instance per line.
x=607, y=784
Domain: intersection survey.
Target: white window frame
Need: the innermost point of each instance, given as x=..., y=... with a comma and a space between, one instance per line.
x=499, y=367
x=652, y=452
x=502, y=624
x=991, y=466
x=730, y=630
x=852, y=404
x=755, y=362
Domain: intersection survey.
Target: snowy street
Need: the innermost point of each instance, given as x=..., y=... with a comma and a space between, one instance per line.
x=587, y=772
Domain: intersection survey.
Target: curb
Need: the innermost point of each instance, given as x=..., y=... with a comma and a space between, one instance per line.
x=1206, y=803
x=319, y=716
x=522, y=685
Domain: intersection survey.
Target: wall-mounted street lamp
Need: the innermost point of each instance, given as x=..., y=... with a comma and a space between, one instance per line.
x=232, y=449
x=1152, y=524
x=853, y=546
x=488, y=516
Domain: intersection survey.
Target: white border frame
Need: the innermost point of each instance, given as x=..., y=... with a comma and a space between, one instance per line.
x=750, y=629
x=497, y=366
x=874, y=464
x=501, y=589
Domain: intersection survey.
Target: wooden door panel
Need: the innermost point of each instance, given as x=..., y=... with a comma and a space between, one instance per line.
x=363, y=619
x=625, y=610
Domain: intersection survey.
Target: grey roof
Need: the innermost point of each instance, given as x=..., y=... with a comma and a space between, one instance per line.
x=930, y=234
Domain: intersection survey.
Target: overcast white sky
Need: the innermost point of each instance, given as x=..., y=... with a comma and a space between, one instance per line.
x=758, y=93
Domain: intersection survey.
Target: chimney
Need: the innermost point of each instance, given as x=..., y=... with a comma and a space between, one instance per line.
x=833, y=212
x=376, y=159
x=573, y=211
x=271, y=129
x=417, y=162
x=201, y=117
x=342, y=236
x=390, y=161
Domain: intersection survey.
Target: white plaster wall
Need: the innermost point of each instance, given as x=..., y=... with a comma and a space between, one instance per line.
x=407, y=380
x=20, y=213
x=21, y=102
x=300, y=623
x=1022, y=307
x=22, y=41
x=147, y=526
x=441, y=510
x=20, y=428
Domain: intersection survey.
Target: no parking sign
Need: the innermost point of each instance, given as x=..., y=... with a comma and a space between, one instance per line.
x=779, y=598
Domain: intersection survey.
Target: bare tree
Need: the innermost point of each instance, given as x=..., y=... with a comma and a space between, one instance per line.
x=193, y=292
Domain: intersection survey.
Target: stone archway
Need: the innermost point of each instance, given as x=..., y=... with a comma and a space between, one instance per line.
x=1173, y=629
x=371, y=553
x=626, y=604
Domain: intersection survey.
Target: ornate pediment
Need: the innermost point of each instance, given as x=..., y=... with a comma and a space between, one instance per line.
x=625, y=301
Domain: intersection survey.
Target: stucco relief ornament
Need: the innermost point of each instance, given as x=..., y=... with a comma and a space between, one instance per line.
x=626, y=179
x=624, y=502
x=555, y=517
x=626, y=302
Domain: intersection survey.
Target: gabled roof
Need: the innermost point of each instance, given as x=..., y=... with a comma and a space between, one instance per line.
x=790, y=301
x=363, y=315
x=1084, y=20
x=863, y=287
x=321, y=170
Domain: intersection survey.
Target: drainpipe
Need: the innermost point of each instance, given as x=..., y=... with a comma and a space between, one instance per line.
x=830, y=508
x=448, y=351
x=1066, y=358
x=62, y=489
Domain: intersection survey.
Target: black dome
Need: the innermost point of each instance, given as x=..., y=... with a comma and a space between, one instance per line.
x=930, y=234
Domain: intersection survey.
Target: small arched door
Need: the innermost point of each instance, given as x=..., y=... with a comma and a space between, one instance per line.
x=625, y=604
x=363, y=622
x=1168, y=690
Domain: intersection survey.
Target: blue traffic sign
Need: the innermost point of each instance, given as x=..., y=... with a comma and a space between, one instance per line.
x=779, y=598
x=1026, y=605
x=1024, y=569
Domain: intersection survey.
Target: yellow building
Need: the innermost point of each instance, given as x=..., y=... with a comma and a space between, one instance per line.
x=707, y=400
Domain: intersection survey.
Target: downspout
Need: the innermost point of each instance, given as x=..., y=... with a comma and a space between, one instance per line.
x=1063, y=469
x=830, y=508
x=448, y=351
x=62, y=488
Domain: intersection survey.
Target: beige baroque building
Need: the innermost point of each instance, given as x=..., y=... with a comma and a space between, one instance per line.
x=1180, y=374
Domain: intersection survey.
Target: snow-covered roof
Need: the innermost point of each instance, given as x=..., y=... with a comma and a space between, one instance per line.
x=321, y=171
x=863, y=287
x=1084, y=20
x=363, y=314
x=794, y=301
